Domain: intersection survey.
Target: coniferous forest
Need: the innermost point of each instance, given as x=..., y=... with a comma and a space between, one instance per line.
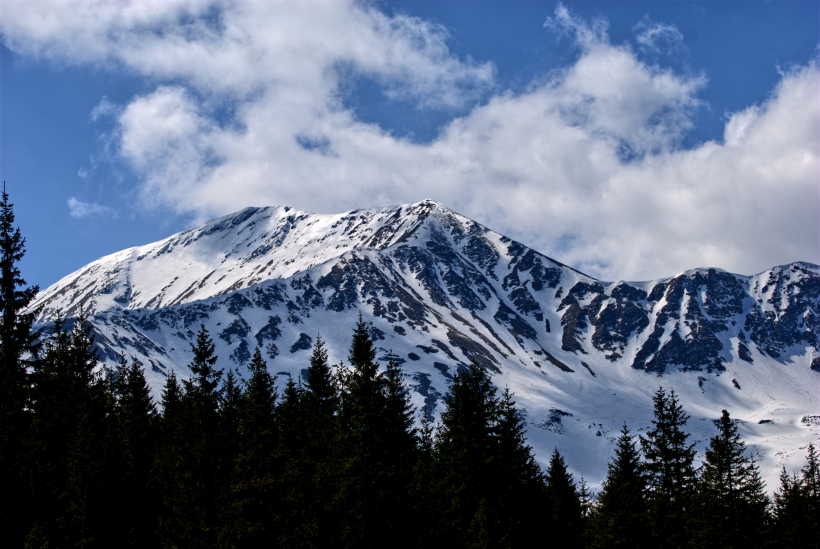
x=89, y=459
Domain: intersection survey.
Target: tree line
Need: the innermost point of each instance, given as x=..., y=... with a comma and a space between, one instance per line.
x=88, y=459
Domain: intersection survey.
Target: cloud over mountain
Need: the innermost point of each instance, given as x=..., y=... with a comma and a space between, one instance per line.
x=248, y=108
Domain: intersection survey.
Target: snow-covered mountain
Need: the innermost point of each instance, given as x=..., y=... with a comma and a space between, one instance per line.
x=439, y=290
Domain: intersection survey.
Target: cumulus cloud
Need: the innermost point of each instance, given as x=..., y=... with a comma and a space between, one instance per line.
x=585, y=165
x=79, y=209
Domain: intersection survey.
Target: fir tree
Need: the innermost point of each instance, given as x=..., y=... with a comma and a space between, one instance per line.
x=18, y=340
x=465, y=447
x=18, y=345
x=259, y=399
x=670, y=471
x=399, y=430
x=362, y=355
x=731, y=507
x=202, y=390
x=255, y=503
x=230, y=401
x=73, y=441
x=376, y=475
x=564, y=505
x=796, y=507
x=421, y=491
x=791, y=514
x=521, y=500
x=620, y=519
x=192, y=511
x=320, y=407
x=811, y=483
x=586, y=499
x=319, y=380
x=137, y=431
x=52, y=420
x=171, y=399
x=299, y=517
x=228, y=445
x=170, y=473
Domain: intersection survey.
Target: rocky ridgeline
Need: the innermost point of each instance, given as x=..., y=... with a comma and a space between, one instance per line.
x=424, y=268
x=440, y=290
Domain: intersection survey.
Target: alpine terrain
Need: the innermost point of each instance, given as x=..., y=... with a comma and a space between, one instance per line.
x=439, y=290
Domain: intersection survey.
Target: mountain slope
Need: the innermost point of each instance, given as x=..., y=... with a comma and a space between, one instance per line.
x=439, y=290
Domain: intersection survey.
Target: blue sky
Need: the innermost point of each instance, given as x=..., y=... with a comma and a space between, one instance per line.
x=630, y=139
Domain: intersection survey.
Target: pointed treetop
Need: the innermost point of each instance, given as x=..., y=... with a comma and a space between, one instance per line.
x=319, y=378
x=362, y=353
x=17, y=338
x=205, y=376
x=171, y=396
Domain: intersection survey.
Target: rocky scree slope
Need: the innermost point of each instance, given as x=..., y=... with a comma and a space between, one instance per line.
x=439, y=290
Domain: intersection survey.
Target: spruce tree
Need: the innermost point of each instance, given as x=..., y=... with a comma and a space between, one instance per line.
x=585, y=496
x=52, y=420
x=18, y=346
x=399, y=430
x=230, y=401
x=401, y=443
x=422, y=490
x=362, y=355
x=202, y=390
x=319, y=406
x=375, y=474
x=796, y=507
x=791, y=514
x=319, y=380
x=170, y=474
x=255, y=503
x=465, y=451
x=522, y=500
x=203, y=459
x=73, y=443
x=171, y=401
x=564, y=504
x=731, y=506
x=300, y=515
x=193, y=518
x=669, y=471
x=137, y=421
x=811, y=483
x=620, y=519
x=228, y=445
x=94, y=471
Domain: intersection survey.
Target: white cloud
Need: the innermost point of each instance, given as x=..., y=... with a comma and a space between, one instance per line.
x=78, y=209
x=103, y=109
x=587, y=35
x=244, y=48
x=658, y=37
x=585, y=165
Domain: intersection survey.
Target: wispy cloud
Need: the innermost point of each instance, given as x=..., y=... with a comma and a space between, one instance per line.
x=585, y=164
x=103, y=109
x=79, y=209
x=658, y=37
x=587, y=34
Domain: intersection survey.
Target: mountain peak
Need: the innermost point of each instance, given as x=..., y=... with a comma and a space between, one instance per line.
x=232, y=252
x=439, y=291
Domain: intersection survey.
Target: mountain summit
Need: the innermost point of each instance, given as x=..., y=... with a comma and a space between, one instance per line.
x=440, y=290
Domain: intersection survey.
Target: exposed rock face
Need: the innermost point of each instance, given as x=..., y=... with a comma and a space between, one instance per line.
x=440, y=290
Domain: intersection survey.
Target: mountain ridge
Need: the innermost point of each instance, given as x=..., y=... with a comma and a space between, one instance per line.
x=440, y=290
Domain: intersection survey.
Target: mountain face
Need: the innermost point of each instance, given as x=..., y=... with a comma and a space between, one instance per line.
x=439, y=290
